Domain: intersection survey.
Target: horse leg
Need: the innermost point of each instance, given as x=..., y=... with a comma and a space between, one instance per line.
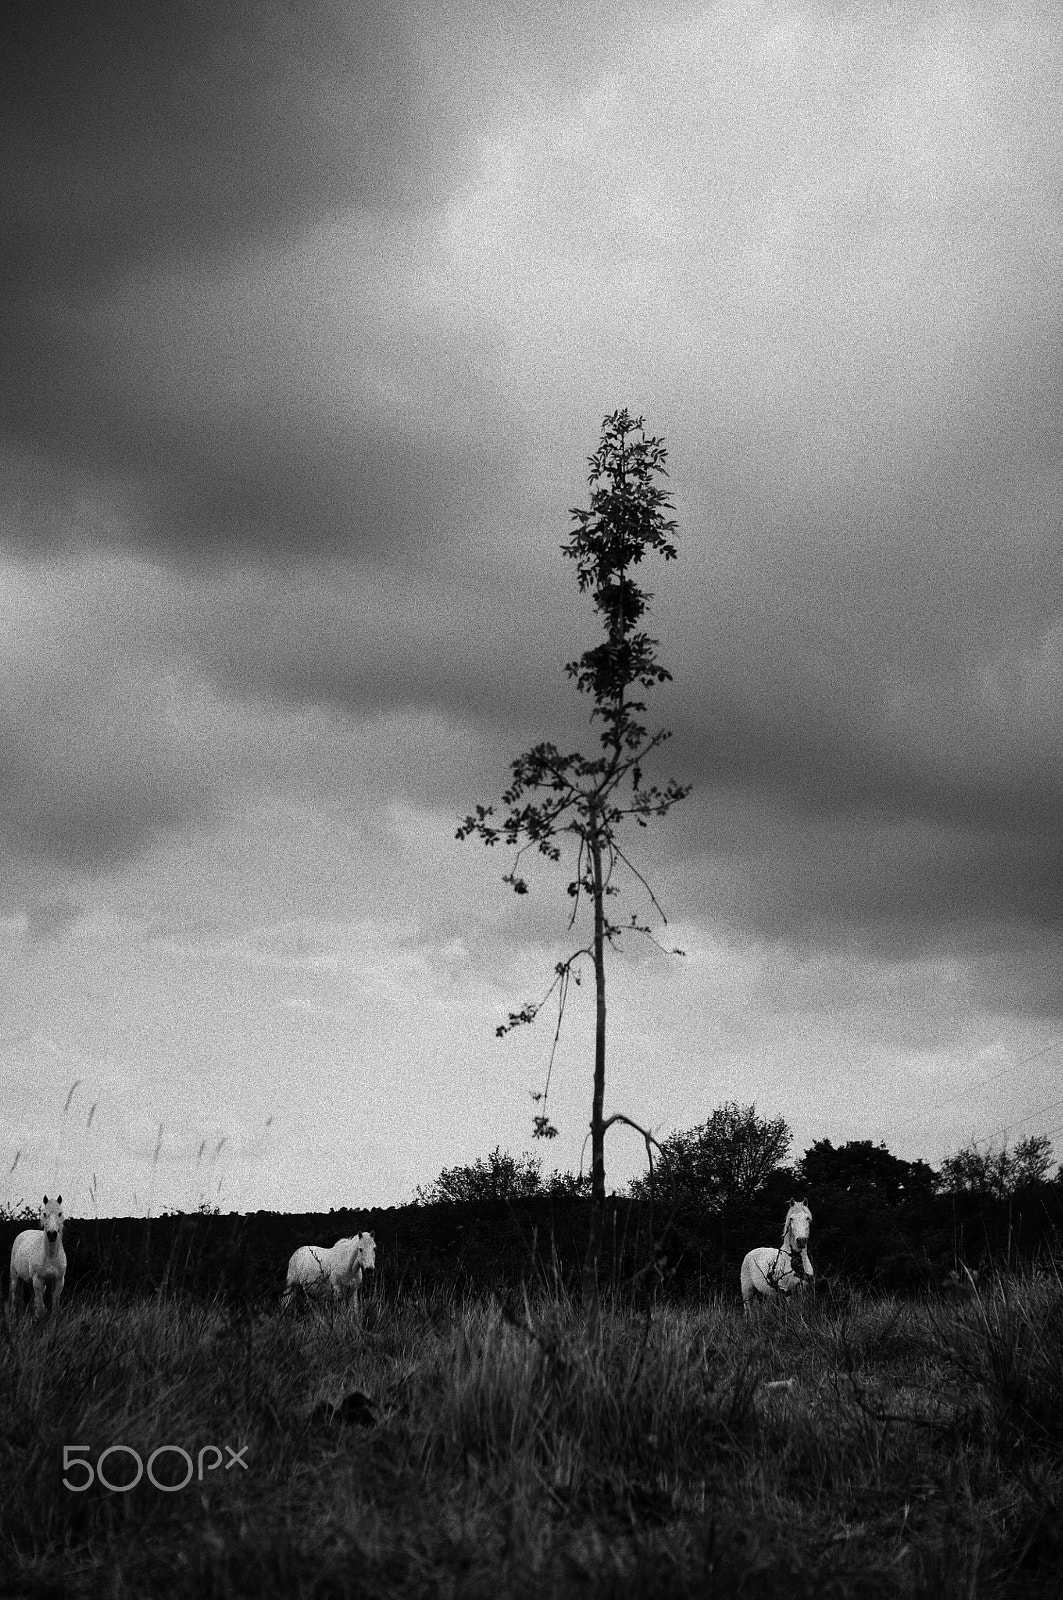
x=756, y=1295
x=38, y=1297
x=751, y=1289
x=57, y=1290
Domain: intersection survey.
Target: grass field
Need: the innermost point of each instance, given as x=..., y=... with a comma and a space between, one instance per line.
x=875, y=1448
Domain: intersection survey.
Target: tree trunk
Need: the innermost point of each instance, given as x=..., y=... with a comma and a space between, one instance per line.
x=597, y=1218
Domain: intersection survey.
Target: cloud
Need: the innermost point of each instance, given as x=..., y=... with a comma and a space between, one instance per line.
x=312, y=322
x=133, y=137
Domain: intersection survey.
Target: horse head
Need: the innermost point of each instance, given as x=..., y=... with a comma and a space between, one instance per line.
x=358, y=1251
x=798, y=1225
x=51, y=1217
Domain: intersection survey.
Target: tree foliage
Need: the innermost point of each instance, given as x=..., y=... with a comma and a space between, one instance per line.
x=726, y=1159
x=865, y=1168
x=994, y=1171
x=582, y=795
x=500, y=1178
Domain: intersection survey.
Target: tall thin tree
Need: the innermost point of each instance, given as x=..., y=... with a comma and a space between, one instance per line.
x=585, y=798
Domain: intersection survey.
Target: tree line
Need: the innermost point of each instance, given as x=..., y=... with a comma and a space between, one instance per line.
x=722, y=1187
x=730, y=1158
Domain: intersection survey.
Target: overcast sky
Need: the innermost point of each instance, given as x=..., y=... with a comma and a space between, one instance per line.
x=311, y=316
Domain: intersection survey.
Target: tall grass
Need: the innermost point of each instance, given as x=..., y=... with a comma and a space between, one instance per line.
x=883, y=1449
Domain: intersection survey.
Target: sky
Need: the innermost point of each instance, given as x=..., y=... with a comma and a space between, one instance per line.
x=310, y=319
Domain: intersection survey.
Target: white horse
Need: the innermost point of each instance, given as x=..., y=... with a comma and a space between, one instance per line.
x=318, y=1271
x=767, y=1271
x=38, y=1257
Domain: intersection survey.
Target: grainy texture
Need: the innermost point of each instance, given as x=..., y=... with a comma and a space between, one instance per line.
x=895, y=1449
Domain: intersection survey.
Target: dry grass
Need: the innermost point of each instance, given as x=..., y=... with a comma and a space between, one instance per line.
x=893, y=1450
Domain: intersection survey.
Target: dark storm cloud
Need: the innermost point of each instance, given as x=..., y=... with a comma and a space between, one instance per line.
x=88, y=820
x=280, y=487
x=134, y=133
x=869, y=713
x=890, y=884
x=163, y=330
x=158, y=335
x=377, y=640
x=89, y=772
x=131, y=133
x=322, y=308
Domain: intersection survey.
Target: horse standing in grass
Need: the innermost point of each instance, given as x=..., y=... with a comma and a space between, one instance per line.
x=38, y=1257
x=338, y=1271
x=767, y=1271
